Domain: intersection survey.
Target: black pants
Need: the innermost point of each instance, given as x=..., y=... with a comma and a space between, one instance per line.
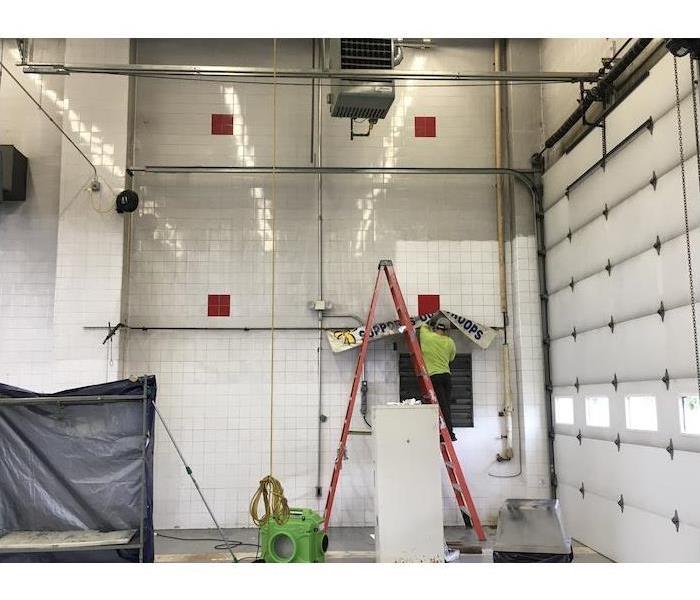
x=442, y=384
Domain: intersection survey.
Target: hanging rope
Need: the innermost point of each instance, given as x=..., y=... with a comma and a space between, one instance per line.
x=270, y=490
x=273, y=203
x=685, y=203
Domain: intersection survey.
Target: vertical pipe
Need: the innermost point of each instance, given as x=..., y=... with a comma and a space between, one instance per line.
x=317, y=157
x=505, y=350
x=313, y=102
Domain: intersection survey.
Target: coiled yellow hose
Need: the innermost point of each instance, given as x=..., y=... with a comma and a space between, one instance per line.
x=272, y=494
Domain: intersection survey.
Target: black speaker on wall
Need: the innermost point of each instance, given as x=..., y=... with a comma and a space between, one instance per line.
x=13, y=174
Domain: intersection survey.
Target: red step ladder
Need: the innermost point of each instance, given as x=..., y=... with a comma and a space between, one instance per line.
x=454, y=469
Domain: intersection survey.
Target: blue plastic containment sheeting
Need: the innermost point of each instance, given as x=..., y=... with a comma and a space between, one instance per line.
x=78, y=467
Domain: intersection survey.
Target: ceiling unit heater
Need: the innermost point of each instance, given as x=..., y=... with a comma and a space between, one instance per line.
x=355, y=98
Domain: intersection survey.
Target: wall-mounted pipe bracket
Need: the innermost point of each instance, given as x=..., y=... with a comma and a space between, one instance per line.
x=577, y=385
x=666, y=379
x=657, y=245
x=582, y=490
x=572, y=283
x=614, y=381
x=606, y=211
x=579, y=437
x=569, y=235
x=611, y=324
x=676, y=521
x=669, y=448
x=608, y=268
x=621, y=503
x=618, y=442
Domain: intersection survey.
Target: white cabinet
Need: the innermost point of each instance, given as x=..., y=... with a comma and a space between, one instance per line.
x=407, y=481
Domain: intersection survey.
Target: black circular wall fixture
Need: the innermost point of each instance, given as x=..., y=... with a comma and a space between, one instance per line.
x=127, y=201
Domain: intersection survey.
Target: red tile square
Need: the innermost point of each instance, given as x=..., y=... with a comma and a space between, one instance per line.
x=425, y=126
x=219, y=305
x=428, y=303
x=221, y=124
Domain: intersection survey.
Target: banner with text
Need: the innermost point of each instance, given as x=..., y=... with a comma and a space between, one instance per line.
x=345, y=339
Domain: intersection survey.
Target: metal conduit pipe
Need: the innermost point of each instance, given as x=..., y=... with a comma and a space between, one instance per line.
x=507, y=452
x=598, y=92
x=241, y=328
x=317, y=161
x=264, y=72
x=523, y=175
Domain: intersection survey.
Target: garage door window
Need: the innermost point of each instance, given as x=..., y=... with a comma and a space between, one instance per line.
x=640, y=413
x=598, y=411
x=690, y=415
x=564, y=410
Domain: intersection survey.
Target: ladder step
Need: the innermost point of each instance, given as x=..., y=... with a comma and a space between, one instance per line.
x=359, y=432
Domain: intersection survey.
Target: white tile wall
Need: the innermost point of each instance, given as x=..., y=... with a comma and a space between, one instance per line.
x=90, y=233
x=62, y=248
x=28, y=229
x=201, y=234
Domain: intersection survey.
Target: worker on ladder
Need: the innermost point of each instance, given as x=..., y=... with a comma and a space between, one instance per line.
x=438, y=352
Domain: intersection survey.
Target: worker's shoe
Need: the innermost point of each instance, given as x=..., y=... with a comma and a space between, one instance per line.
x=453, y=437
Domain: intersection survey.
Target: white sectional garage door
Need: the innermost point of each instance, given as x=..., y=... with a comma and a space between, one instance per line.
x=628, y=455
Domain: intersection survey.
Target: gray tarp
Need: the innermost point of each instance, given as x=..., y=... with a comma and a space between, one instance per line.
x=77, y=467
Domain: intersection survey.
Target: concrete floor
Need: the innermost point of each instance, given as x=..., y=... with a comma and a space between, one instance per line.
x=347, y=544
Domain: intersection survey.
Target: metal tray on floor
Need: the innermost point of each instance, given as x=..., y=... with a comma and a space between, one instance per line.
x=531, y=531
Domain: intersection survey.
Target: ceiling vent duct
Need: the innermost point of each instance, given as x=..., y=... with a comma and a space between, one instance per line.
x=355, y=98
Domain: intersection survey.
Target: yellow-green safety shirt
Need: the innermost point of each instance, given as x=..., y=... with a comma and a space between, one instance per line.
x=438, y=350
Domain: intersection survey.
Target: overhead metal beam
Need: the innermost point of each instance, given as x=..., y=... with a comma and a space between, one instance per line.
x=253, y=72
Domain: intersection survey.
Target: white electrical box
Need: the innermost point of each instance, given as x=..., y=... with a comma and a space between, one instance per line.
x=407, y=484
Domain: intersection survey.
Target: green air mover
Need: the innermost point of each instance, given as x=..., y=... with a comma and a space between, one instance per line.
x=299, y=540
